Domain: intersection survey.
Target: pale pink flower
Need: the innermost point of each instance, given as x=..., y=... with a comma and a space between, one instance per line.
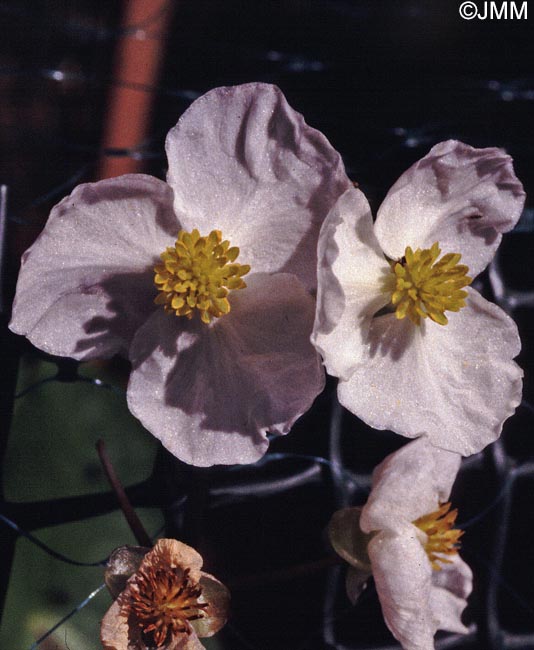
x=421, y=580
x=215, y=365
x=417, y=351
x=404, y=537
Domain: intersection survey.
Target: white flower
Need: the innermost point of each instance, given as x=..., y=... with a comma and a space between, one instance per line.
x=215, y=365
x=421, y=580
x=383, y=292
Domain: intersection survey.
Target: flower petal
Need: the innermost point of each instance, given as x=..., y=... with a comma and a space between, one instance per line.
x=123, y=562
x=409, y=483
x=459, y=196
x=210, y=393
x=86, y=284
x=183, y=642
x=115, y=631
x=450, y=588
x=351, y=272
x=455, y=577
x=218, y=597
x=455, y=383
x=243, y=161
x=171, y=552
x=402, y=576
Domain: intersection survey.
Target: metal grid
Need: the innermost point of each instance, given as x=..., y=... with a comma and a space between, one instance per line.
x=286, y=594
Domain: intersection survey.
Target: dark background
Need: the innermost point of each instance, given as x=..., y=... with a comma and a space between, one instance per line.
x=384, y=81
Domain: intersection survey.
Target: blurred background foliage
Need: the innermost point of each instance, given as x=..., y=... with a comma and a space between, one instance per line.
x=51, y=454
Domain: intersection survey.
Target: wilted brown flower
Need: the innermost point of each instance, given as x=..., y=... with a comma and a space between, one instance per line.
x=167, y=602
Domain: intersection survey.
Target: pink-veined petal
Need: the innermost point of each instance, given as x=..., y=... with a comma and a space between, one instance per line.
x=243, y=161
x=86, y=284
x=409, y=483
x=402, y=575
x=211, y=393
x=462, y=197
x=351, y=272
x=455, y=383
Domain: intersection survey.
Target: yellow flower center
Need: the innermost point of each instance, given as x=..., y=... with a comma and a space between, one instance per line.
x=197, y=274
x=442, y=538
x=421, y=287
x=164, y=601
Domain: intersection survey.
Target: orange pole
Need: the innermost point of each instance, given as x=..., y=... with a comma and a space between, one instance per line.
x=138, y=58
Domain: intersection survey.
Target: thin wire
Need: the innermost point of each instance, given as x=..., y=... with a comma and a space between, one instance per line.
x=503, y=583
x=500, y=495
x=56, y=191
x=32, y=387
x=50, y=551
x=277, y=456
x=62, y=621
x=94, y=381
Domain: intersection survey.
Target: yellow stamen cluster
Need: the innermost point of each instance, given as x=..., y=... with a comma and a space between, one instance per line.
x=425, y=288
x=164, y=600
x=197, y=274
x=442, y=538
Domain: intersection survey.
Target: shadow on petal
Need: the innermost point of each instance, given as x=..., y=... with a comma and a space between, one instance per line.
x=130, y=301
x=236, y=386
x=253, y=370
x=390, y=337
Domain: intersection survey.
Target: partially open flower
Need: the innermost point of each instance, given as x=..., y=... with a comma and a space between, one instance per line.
x=204, y=282
x=417, y=350
x=167, y=603
x=421, y=580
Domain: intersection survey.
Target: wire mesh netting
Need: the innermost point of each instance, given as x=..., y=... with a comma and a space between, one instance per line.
x=384, y=83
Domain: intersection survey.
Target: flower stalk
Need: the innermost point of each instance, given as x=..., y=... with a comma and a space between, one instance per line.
x=129, y=513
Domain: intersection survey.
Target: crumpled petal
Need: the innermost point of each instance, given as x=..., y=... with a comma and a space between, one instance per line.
x=173, y=553
x=408, y=484
x=455, y=577
x=123, y=562
x=417, y=601
x=86, y=284
x=243, y=161
x=115, y=631
x=351, y=272
x=218, y=598
x=447, y=611
x=462, y=197
x=451, y=586
x=210, y=394
x=403, y=580
x=457, y=384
